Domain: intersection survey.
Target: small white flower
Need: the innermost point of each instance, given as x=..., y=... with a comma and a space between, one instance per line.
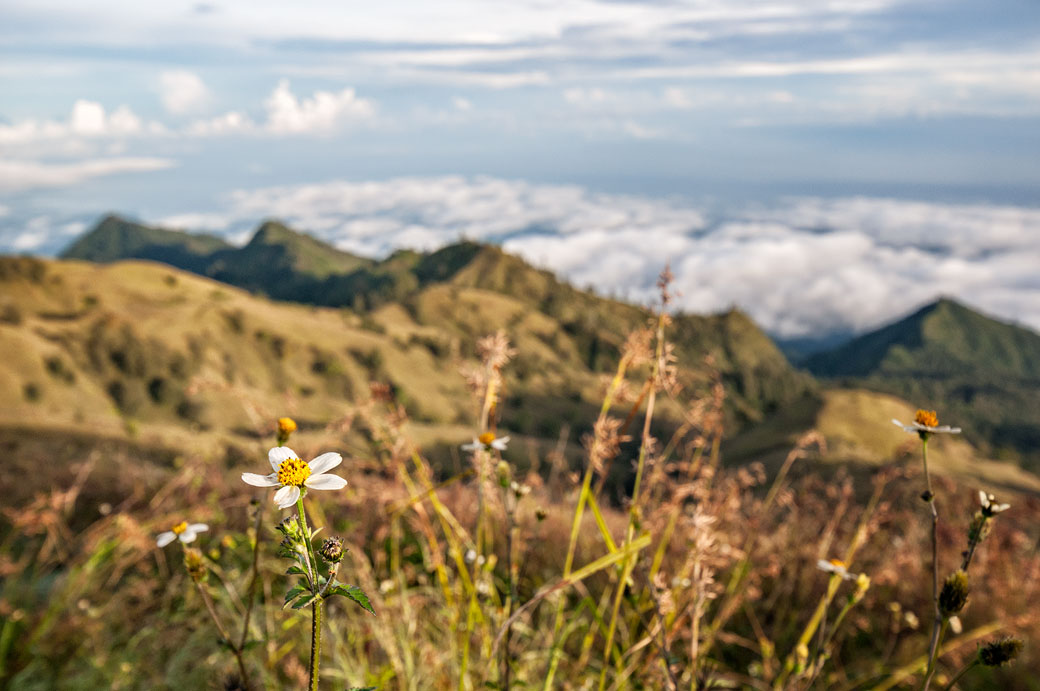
x=291, y=473
x=836, y=566
x=187, y=532
x=989, y=505
x=925, y=422
x=487, y=441
x=471, y=556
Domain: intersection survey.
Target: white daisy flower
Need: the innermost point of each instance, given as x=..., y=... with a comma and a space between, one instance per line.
x=925, y=422
x=836, y=566
x=187, y=532
x=291, y=474
x=487, y=441
x=989, y=505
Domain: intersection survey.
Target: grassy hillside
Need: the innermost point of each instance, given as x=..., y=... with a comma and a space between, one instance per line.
x=984, y=374
x=147, y=352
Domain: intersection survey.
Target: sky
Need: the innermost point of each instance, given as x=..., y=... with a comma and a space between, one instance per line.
x=825, y=165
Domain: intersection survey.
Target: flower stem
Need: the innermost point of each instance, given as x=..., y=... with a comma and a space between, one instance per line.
x=315, y=603
x=223, y=633
x=939, y=622
x=964, y=670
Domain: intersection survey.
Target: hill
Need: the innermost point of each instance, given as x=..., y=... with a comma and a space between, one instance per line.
x=978, y=372
x=142, y=351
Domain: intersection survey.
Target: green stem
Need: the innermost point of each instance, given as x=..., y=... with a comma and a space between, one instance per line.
x=315, y=641
x=964, y=670
x=939, y=623
x=312, y=565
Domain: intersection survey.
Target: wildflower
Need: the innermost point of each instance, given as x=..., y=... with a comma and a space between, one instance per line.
x=519, y=491
x=926, y=423
x=331, y=550
x=541, y=514
x=291, y=474
x=186, y=532
x=1000, y=652
x=862, y=585
x=286, y=426
x=954, y=593
x=836, y=566
x=487, y=441
x=989, y=505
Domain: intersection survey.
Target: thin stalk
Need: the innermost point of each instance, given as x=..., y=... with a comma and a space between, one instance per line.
x=223, y=632
x=964, y=670
x=938, y=623
x=579, y=512
x=251, y=591
x=315, y=603
x=629, y=563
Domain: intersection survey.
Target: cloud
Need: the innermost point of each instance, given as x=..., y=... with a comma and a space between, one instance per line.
x=87, y=120
x=182, y=92
x=325, y=111
x=803, y=266
x=23, y=175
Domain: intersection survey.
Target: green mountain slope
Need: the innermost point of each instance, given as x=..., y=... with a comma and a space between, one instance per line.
x=115, y=238
x=976, y=371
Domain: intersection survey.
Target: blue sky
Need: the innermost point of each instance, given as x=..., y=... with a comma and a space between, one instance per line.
x=879, y=115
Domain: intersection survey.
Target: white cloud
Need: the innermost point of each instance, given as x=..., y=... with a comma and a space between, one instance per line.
x=325, y=111
x=800, y=267
x=23, y=175
x=182, y=92
x=87, y=120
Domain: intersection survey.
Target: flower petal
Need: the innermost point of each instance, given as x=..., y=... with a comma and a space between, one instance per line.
x=983, y=499
x=260, y=480
x=198, y=527
x=287, y=496
x=500, y=443
x=472, y=447
x=326, y=461
x=188, y=536
x=325, y=481
x=279, y=454
x=165, y=538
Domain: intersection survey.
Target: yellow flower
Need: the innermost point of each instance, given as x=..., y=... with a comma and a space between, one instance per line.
x=186, y=532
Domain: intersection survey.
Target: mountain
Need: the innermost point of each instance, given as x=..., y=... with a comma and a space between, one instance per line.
x=284, y=264
x=978, y=372
x=115, y=238
x=144, y=351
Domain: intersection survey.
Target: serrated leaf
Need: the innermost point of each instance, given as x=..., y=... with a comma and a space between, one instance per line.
x=354, y=593
x=294, y=592
x=295, y=570
x=303, y=601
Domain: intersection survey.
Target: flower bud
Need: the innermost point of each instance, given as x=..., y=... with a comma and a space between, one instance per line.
x=194, y=564
x=331, y=550
x=1000, y=652
x=541, y=514
x=954, y=593
x=504, y=473
x=286, y=426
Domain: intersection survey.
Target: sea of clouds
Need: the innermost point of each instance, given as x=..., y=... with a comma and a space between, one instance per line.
x=801, y=267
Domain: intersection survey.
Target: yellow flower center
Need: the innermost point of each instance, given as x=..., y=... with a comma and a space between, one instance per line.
x=286, y=425
x=293, y=471
x=836, y=563
x=926, y=418
x=486, y=438
x=179, y=528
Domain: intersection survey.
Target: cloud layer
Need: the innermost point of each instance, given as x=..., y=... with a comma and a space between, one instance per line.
x=801, y=267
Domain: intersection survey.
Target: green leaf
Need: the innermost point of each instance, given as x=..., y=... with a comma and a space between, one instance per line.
x=250, y=644
x=294, y=569
x=294, y=592
x=304, y=601
x=362, y=688
x=352, y=592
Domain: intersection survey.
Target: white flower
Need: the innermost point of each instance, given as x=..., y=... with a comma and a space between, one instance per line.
x=836, y=566
x=290, y=473
x=925, y=422
x=989, y=507
x=487, y=441
x=187, y=532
